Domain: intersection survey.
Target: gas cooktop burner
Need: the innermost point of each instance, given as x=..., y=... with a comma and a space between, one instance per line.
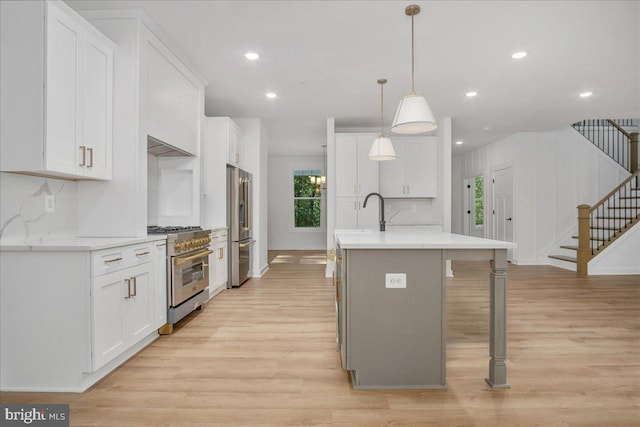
x=155, y=229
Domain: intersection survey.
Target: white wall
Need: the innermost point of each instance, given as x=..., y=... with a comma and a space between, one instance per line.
x=22, y=215
x=553, y=173
x=282, y=235
x=255, y=162
x=622, y=257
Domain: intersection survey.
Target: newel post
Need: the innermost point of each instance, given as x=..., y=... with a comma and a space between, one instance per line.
x=633, y=151
x=584, y=238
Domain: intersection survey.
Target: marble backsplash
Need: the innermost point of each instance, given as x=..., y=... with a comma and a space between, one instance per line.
x=22, y=208
x=409, y=212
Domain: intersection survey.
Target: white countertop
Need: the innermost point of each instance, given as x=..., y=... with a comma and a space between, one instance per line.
x=75, y=244
x=416, y=238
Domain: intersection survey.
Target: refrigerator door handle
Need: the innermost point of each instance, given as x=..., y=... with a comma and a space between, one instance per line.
x=249, y=243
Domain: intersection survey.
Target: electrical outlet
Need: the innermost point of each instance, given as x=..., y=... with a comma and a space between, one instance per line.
x=414, y=208
x=387, y=208
x=49, y=203
x=395, y=280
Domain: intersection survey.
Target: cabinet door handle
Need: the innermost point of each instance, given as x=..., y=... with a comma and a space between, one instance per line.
x=403, y=189
x=135, y=287
x=107, y=261
x=143, y=253
x=220, y=253
x=408, y=189
x=128, y=288
x=237, y=158
x=90, y=150
x=84, y=155
x=161, y=245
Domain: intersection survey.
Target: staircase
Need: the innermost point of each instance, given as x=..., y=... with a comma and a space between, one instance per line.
x=602, y=224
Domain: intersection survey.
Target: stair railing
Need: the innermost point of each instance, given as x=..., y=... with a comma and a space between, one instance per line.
x=609, y=136
x=607, y=220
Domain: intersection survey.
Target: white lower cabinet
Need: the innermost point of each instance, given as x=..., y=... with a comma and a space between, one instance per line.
x=218, y=271
x=123, y=306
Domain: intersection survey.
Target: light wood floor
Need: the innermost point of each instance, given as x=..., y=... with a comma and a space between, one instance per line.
x=264, y=354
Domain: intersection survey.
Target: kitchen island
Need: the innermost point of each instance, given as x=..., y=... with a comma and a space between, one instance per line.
x=391, y=300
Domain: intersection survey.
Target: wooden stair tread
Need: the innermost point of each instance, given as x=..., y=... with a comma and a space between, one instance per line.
x=592, y=238
x=606, y=228
x=564, y=258
x=572, y=247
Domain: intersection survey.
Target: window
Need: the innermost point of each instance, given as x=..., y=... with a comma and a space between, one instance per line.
x=307, y=199
x=479, y=192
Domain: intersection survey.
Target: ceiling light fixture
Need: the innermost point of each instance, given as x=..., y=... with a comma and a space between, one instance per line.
x=471, y=94
x=519, y=55
x=458, y=142
x=271, y=95
x=586, y=94
x=252, y=56
x=382, y=148
x=413, y=114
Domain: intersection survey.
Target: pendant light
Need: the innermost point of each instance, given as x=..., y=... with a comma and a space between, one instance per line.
x=382, y=148
x=413, y=114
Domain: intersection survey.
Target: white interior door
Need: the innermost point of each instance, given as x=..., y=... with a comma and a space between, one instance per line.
x=503, y=196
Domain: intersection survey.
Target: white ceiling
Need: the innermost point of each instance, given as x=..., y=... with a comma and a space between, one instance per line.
x=323, y=59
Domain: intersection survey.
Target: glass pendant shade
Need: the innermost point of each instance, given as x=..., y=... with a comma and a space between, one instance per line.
x=413, y=116
x=382, y=149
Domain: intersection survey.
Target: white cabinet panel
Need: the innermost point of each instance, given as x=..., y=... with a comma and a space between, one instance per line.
x=160, y=284
x=109, y=332
x=140, y=308
x=173, y=101
x=367, y=169
x=64, y=56
x=98, y=108
x=346, y=166
x=346, y=213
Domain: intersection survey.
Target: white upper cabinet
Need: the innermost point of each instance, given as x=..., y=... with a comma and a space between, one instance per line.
x=57, y=93
x=234, y=143
x=356, y=175
x=173, y=100
x=413, y=174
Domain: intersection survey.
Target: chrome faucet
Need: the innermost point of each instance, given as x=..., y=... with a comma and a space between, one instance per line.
x=364, y=205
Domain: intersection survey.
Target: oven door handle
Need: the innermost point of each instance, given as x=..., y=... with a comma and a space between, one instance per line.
x=182, y=260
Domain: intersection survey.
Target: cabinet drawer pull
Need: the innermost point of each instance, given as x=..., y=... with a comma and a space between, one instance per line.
x=161, y=245
x=107, y=261
x=143, y=253
x=220, y=253
x=84, y=155
x=128, y=288
x=90, y=150
x=135, y=287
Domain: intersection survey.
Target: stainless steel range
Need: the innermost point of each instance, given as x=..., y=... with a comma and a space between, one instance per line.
x=187, y=270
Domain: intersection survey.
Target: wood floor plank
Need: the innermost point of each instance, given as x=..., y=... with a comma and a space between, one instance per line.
x=264, y=355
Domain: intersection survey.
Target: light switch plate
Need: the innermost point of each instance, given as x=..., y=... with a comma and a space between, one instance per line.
x=395, y=280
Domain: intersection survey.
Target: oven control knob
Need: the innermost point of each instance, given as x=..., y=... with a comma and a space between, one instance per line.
x=179, y=246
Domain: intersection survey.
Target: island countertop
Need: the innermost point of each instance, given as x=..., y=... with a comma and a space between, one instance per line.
x=418, y=238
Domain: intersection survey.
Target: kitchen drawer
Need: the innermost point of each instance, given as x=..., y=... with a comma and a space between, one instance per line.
x=115, y=259
x=218, y=237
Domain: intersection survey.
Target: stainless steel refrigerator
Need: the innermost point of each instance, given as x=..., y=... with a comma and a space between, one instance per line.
x=240, y=223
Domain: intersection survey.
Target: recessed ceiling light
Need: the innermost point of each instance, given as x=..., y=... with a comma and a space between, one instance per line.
x=251, y=56
x=519, y=55
x=458, y=142
x=486, y=128
x=586, y=94
x=271, y=95
x=471, y=94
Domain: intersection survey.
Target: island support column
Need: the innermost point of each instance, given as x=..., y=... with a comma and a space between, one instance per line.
x=498, y=322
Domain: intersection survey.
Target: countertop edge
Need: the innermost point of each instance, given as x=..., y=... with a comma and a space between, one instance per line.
x=77, y=244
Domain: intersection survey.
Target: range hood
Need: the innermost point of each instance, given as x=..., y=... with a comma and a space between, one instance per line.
x=162, y=149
